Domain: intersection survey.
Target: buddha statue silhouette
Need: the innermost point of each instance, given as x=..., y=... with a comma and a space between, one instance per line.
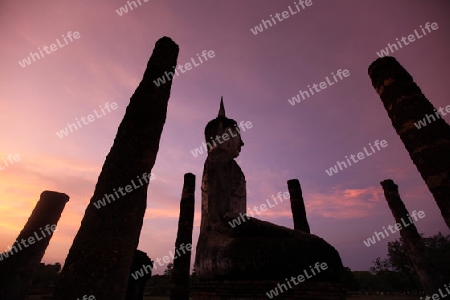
x=255, y=250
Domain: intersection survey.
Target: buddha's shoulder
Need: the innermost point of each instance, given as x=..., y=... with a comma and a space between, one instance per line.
x=219, y=155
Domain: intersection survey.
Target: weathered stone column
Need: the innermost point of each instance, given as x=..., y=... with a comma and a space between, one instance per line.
x=141, y=271
x=100, y=258
x=18, y=269
x=428, y=144
x=182, y=263
x=431, y=280
x=298, y=206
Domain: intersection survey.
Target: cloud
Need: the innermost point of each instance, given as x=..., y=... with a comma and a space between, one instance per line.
x=344, y=203
x=335, y=203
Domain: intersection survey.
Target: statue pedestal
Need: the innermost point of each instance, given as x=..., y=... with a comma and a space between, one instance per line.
x=257, y=290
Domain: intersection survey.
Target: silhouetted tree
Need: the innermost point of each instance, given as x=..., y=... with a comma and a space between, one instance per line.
x=397, y=272
x=46, y=275
x=169, y=270
x=366, y=280
x=348, y=278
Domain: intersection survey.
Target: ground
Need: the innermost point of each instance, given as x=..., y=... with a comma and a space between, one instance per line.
x=350, y=298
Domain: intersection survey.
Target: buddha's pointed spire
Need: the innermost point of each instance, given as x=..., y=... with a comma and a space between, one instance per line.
x=222, y=109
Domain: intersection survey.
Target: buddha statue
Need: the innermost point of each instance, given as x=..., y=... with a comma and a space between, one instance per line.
x=254, y=251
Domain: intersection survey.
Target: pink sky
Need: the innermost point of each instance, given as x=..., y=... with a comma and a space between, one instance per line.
x=256, y=75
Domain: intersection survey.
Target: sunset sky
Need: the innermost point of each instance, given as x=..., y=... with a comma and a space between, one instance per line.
x=256, y=75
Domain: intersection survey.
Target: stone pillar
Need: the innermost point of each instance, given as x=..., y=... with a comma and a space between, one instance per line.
x=18, y=269
x=431, y=280
x=182, y=264
x=428, y=144
x=136, y=283
x=100, y=258
x=298, y=206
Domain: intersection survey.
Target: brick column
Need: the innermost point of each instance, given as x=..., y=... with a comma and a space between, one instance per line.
x=298, y=206
x=428, y=144
x=181, y=264
x=430, y=279
x=18, y=269
x=100, y=258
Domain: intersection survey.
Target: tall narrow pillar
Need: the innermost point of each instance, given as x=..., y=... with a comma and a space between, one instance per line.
x=431, y=280
x=181, y=264
x=100, y=258
x=298, y=206
x=428, y=142
x=18, y=265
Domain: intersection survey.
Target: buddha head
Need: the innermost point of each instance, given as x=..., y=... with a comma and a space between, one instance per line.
x=223, y=133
